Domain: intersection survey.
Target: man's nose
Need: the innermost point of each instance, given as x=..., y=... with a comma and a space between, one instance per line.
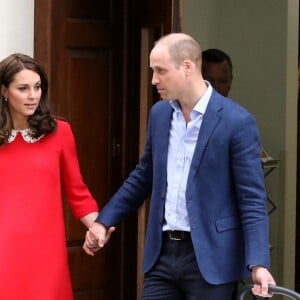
x=154, y=79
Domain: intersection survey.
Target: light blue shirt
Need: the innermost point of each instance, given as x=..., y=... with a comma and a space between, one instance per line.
x=182, y=142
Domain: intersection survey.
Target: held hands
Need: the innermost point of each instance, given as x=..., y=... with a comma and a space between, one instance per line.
x=96, y=237
x=261, y=278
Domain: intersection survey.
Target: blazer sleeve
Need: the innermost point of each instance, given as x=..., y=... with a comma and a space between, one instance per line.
x=251, y=194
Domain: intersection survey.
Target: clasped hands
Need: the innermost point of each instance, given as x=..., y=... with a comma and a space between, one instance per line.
x=96, y=238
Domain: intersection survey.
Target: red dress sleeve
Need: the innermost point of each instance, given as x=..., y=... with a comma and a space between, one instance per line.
x=77, y=193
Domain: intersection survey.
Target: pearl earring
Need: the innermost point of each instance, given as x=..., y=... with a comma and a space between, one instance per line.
x=5, y=99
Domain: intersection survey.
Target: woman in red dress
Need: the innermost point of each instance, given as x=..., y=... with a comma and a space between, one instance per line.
x=37, y=159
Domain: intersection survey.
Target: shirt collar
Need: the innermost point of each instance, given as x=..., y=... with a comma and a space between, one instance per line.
x=202, y=102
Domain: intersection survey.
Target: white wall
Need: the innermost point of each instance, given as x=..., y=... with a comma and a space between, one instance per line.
x=17, y=27
x=262, y=39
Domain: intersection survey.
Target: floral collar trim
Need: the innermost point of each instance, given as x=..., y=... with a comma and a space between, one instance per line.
x=25, y=135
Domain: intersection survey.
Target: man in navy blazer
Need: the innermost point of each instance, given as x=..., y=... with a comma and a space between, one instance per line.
x=208, y=222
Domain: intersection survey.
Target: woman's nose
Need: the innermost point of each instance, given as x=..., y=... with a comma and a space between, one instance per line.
x=32, y=93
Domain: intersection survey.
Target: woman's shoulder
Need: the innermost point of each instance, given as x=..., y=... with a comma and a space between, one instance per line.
x=62, y=123
x=63, y=127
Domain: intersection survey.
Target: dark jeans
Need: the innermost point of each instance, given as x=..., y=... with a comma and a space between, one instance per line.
x=176, y=276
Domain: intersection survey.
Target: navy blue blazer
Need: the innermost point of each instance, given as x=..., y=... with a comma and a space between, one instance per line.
x=225, y=195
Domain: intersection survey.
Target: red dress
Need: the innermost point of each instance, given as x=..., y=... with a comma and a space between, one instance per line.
x=33, y=254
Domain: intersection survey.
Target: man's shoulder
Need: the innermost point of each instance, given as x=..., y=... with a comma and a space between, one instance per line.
x=162, y=106
x=228, y=104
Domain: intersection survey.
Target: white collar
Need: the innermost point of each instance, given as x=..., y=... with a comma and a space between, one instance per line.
x=25, y=135
x=200, y=105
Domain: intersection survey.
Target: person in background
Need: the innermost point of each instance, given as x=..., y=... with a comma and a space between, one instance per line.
x=37, y=160
x=217, y=69
x=208, y=223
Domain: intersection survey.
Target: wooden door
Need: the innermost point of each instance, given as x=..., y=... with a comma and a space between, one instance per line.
x=82, y=52
x=92, y=53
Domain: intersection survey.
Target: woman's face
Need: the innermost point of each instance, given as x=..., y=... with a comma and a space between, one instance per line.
x=23, y=94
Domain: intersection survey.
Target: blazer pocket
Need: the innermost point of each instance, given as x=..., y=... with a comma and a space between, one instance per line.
x=228, y=223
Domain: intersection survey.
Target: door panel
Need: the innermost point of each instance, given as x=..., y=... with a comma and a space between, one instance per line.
x=85, y=71
x=91, y=52
x=87, y=58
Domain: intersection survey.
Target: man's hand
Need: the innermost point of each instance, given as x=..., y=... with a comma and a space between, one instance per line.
x=261, y=278
x=96, y=237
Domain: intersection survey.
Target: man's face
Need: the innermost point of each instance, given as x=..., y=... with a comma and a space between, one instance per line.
x=168, y=78
x=219, y=76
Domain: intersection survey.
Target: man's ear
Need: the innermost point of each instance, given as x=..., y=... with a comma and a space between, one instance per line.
x=188, y=66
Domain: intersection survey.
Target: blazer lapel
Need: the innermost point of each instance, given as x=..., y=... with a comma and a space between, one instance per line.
x=164, y=130
x=210, y=120
x=163, y=120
